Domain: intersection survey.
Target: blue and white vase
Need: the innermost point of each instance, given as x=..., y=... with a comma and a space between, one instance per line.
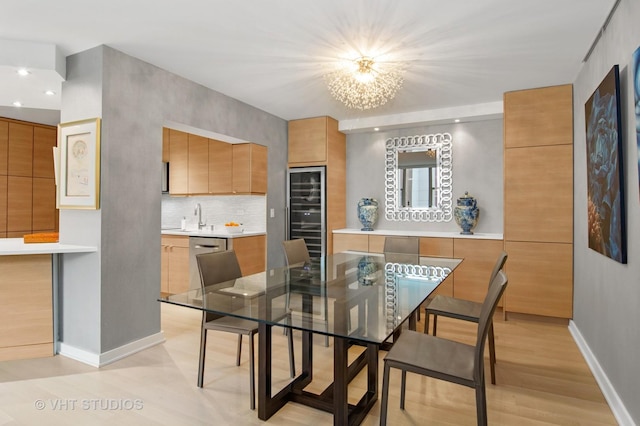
x=368, y=213
x=466, y=213
x=367, y=270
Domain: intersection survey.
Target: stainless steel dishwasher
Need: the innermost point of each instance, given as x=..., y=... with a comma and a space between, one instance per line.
x=199, y=245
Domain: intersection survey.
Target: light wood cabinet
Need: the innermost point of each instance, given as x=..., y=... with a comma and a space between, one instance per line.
x=251, y=253
x=318, y=142
x=4, y=146
x=249, y=169
x=199, y=165
x=3, y=206
x=179, y=162
x=471, y=277
x=538, y=200
x=45, y=215
x=19, y=204
x=165, y=145
x=439, y=247
x=44, y=139
x=26, y=307
x=350, y=242
x=198, y=160
x=174, y=273
x=27, y=184
x=220, y=167
x=20, y=153
x=469, y=281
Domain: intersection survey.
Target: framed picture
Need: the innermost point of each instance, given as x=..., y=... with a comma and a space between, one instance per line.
x=636, y=103
x=79, y=165
x=605, y=178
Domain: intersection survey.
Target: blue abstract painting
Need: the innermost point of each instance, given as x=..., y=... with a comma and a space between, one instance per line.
x=636, y=103
x=605, y=179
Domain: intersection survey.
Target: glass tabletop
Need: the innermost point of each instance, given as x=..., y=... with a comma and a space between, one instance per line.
x=364, y=297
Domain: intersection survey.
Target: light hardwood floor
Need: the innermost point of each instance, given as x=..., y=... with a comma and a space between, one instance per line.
x=541, y=379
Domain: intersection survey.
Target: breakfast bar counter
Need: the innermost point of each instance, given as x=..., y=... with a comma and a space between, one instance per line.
x=28, y=299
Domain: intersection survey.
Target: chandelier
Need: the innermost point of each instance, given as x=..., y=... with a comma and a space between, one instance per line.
x=365, y=84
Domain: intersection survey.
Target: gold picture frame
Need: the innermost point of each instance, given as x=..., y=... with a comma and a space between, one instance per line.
x=78, y=165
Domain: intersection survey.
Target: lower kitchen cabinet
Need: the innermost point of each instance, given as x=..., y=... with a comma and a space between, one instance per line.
x=174, y=275
x=251, y=253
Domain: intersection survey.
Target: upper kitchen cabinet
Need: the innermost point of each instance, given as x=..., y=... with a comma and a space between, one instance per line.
x=20, y=154
x=27, y=185
x=179, y=160
x=198, y=173
x=312, y=141
x=201, y=166
x=165, y=145
x=220, y=167
x=318, y=142
x=249, y=169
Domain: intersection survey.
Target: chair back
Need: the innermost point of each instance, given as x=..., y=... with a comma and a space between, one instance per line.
x=407, y=245
x=496, y=289
x=502, y=259
x=295, y=251
x=217, y=268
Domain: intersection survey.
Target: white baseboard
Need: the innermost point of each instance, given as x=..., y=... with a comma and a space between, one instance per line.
x=99, y=360
x=615, y=403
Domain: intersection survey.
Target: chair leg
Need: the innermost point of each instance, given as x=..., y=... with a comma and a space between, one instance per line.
x=252, y=375
x=403, y=387
x=481, y=403
x=492, y=355
x=385, y=395
x=239, y=349
x=435, y=324
x=426, y=321
x=292, y=362
x=203, y=349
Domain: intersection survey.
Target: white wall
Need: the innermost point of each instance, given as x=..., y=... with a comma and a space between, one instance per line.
x=607, y=293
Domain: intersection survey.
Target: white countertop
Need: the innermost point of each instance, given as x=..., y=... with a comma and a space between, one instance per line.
x=13, y=246
x=479, y=236
x=208, y=233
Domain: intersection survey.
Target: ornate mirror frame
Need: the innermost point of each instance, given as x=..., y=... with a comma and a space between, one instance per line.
x=443, y=210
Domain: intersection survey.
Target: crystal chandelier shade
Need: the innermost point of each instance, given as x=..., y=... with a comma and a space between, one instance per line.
x=365, y=84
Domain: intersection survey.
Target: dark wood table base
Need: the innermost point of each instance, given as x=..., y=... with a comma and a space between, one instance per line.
x=334, y=399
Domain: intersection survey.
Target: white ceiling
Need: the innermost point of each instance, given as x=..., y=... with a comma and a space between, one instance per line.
x=461, y=55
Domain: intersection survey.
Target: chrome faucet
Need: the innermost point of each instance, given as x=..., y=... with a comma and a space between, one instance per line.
x=198, y=212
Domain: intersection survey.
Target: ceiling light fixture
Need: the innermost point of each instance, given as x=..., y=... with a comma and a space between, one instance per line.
x=364, y=83
x=17, y=104
x=23, y=72
x=49, y=92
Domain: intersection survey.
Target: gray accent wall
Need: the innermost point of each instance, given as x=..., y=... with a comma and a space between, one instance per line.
x=109, y=298
x=477, y=168
x=607, y=293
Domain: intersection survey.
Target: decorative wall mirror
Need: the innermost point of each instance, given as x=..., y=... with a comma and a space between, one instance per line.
x=418, y=178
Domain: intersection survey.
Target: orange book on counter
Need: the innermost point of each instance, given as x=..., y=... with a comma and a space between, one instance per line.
x=43, y=237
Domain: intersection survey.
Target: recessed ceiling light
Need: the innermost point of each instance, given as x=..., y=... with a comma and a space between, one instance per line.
x=17, y=104
x=457, y=120
x=49, y=92
x=23, y=72
x=376, y=128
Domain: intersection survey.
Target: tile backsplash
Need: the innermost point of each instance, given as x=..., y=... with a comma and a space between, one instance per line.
x=249, y=210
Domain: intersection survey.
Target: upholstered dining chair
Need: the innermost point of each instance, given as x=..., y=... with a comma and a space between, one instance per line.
x=465, y=310
x=445, y=359
x=216, y=268
x=404, y=245
x=296, y=252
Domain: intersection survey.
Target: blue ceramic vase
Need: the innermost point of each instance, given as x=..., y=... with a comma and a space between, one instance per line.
x=367, y=270
x=368, y=213
x=466, y=213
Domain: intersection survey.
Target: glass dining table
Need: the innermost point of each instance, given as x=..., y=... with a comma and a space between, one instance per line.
x=358, y=299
